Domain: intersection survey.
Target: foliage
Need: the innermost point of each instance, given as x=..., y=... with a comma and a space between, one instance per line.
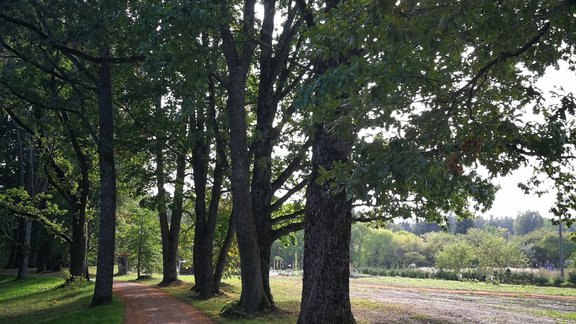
x=494, y=251
x=455, y=256
x=527, y=222
x=138, y=235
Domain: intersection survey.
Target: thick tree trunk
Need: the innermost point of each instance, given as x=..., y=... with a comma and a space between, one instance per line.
x=106, y=236
x=78, y=247
x=239, y=59
x=327, y=221
x=203, y=232
x=325, y=291
x=253, y=297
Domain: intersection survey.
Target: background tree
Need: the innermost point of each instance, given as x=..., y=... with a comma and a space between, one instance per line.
x=527, y=222
x=139, y=236
x=455, y=256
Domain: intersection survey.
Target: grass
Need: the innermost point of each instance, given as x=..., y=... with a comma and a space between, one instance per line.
x=287, y=292
x=560, y=316
x=39, y=300
x=465, y=285
x=286, y=296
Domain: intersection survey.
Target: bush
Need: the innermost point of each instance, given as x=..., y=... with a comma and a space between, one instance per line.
x=572, y=278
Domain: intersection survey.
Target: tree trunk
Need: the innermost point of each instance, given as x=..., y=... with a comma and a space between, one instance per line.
x=253, y=297
x=325, y=291
x=206, y=218
x=25, y=229
x=221, y=262
x=161, y=197
x=170, y=239
x=327, y=222
x=43, y=250
x=106, y=236
x=78, y=247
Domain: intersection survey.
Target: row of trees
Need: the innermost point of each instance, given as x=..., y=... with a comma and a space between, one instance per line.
x=389, y=105
x=486, y=247
x=523, y=223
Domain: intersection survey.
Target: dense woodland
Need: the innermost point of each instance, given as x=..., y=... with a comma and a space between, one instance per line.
x=206, y=131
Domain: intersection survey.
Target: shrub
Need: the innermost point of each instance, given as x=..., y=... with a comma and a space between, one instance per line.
x=572, y=277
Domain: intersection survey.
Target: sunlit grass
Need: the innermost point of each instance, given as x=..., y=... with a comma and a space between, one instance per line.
x=464, y=285
x=39, y=300
x=287, y=294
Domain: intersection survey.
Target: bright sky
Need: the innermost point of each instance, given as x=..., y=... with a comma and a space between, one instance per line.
x=510, y=200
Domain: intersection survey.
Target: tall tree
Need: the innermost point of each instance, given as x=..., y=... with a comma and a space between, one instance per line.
x=328, y=215
x=436, y=102
x=238, y=60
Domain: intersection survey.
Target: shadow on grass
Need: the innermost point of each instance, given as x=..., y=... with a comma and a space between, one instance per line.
x=41, y=301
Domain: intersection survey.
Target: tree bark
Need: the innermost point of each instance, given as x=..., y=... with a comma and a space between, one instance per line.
x=327, y=221
x=325, y=291
x=161, y=198
x=206, y=218
x=170, y=241
x=25, y=229
x=253, y=297
x=106, y=236
x=79, y=246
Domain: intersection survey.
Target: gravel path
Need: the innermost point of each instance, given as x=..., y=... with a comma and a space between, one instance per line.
x=145, y=304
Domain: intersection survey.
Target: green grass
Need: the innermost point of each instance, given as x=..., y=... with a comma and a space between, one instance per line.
x=464, y=285
x=287, y=292
x=286, y=297
x=39, y=300
x=571, y=317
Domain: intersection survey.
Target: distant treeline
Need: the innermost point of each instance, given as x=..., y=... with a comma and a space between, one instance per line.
x=527, y=241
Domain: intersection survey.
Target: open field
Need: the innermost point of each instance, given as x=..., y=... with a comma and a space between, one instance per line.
x=374, y=300
x=405, y=300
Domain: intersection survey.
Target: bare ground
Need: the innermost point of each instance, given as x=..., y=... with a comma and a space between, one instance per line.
x=415, y=305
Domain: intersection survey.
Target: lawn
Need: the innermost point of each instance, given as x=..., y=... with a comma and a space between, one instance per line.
x=39, y=300
x=287, y=292
x=464, y=285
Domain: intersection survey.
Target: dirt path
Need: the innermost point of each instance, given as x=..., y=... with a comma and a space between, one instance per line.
x=423, y=305
x=145, y=304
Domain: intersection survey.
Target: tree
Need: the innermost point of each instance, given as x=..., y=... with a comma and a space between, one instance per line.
x=527, y=222
x=138, y=235
x=494, y=251
x=454, y=92
x=455, y=256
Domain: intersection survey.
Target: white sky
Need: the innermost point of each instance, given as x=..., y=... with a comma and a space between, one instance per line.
x=510, y=200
